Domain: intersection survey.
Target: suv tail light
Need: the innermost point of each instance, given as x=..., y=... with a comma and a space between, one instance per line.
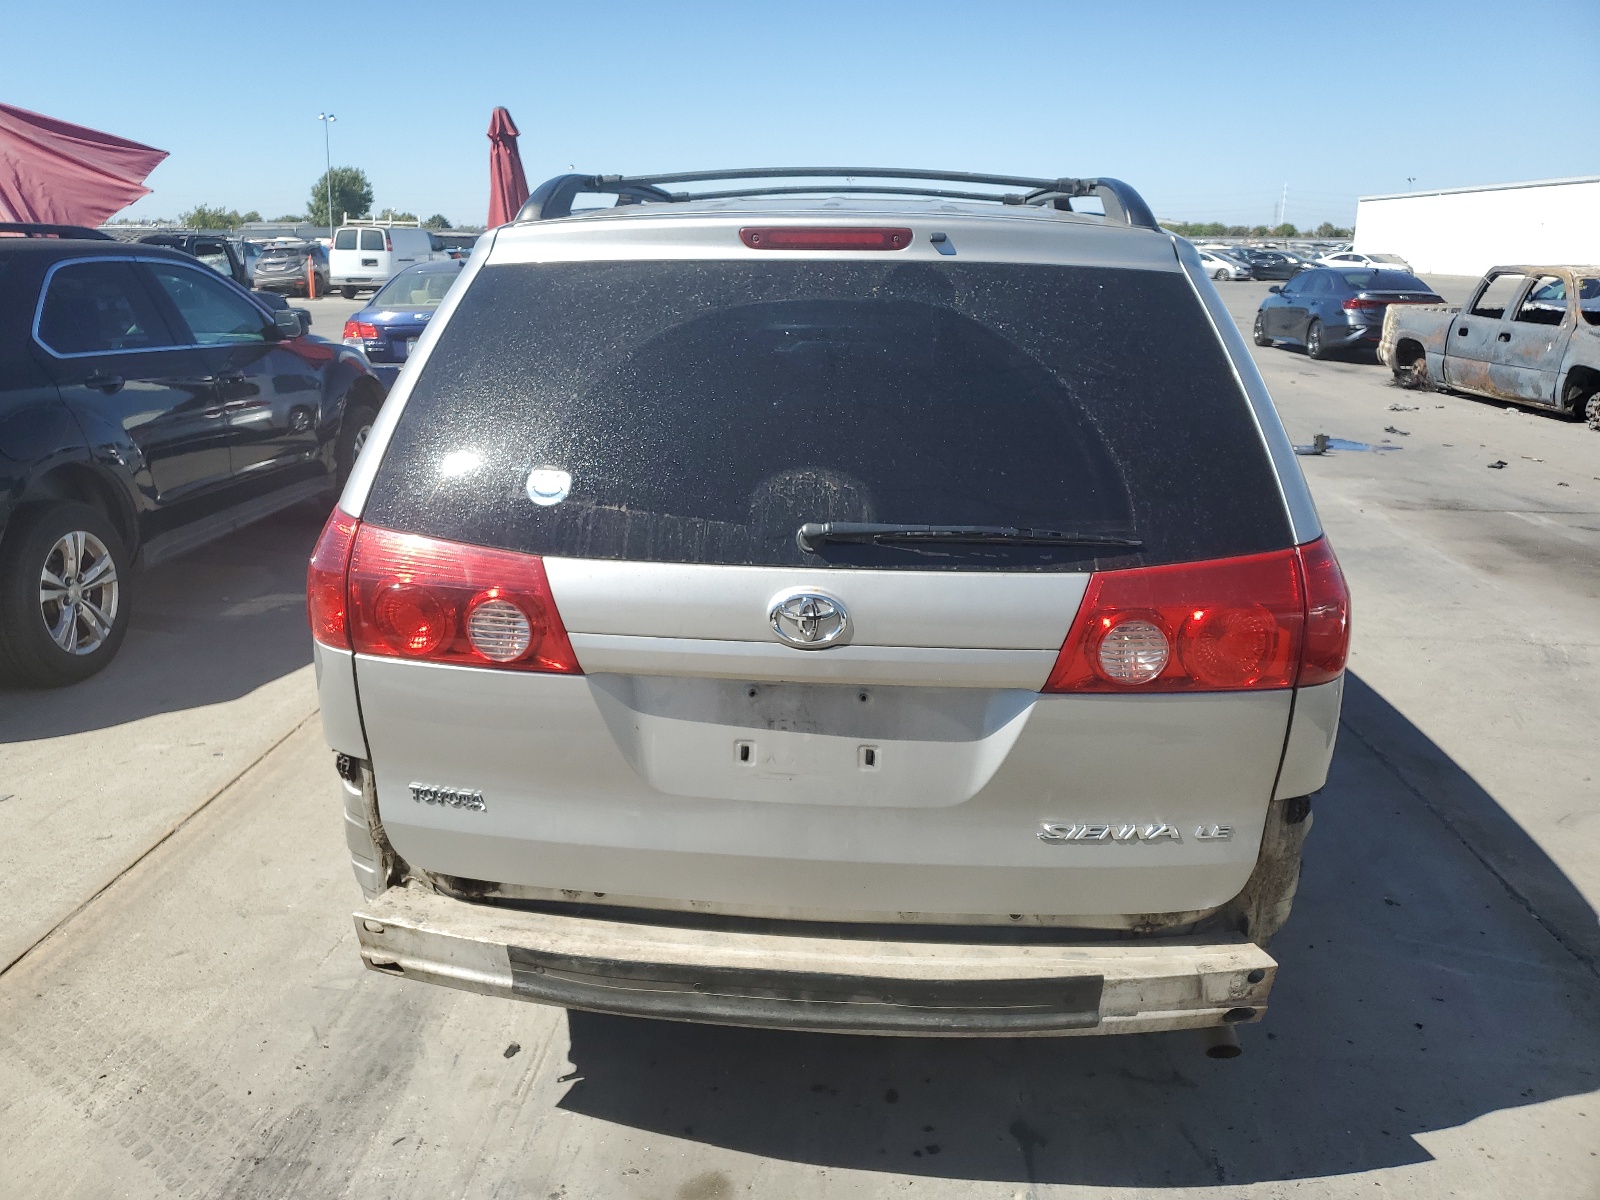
x=1327, y=635
x=325, y=594
x=1263, y=621
x=800, y=237
x=436, y=601
x=360, y=329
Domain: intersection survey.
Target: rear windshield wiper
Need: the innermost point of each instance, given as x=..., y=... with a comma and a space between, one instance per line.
x=814, y=534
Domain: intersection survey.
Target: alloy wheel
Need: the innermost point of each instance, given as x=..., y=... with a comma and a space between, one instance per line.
x=79, y=592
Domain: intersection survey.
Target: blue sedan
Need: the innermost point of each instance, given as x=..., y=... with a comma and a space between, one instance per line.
x=387, y=329
x=1336, y=308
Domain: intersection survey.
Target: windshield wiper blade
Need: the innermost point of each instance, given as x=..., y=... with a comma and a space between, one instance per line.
x=813, y=534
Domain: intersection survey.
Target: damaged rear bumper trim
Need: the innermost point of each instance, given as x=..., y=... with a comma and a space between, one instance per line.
x=779, y=981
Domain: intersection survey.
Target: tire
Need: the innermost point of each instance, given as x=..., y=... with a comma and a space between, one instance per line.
x=1591, y=412
x=353, y=432
x=1314, y=346
x=1259, y=332
x=1219, y=276
x=349, y=293
x=1414, y=375
x=53, y=630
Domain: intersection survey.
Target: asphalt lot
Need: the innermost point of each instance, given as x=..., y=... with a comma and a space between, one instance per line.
x=189, y=1016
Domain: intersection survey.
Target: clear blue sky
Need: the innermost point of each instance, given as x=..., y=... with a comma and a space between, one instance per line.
x=1208, y=109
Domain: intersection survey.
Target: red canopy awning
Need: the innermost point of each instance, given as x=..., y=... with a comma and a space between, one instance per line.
x=508, y=186
x=58, y=173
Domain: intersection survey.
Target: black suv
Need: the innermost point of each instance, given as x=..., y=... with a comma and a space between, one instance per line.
x=147, y=405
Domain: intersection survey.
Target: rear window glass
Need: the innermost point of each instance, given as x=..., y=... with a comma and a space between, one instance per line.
x=345, y=239
x=1367, y=280
x=372, y=239
x=422, y=287
x=704, y=411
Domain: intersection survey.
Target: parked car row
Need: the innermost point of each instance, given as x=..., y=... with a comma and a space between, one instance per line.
x=1250, y=262
x=148, y=404
x=1527, y=334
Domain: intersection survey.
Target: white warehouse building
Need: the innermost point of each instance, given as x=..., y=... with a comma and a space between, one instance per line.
x=1465, y=231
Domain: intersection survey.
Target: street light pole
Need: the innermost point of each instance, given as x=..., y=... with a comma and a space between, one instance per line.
x=327, y=120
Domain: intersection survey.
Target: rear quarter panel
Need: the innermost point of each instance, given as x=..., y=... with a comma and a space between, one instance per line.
x=1426, y=324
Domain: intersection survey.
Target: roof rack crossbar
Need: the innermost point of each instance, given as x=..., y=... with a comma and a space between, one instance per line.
x=553, y=198
x=847, y=189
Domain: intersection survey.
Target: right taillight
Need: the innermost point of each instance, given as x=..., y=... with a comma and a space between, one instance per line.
x=1261, y=621
x=1327, y=636
x=431, y=600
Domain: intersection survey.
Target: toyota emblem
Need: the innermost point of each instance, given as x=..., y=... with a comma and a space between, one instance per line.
x=809, y=620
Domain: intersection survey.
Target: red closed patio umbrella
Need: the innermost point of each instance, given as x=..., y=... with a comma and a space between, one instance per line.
x=508, y=186
x=57, y=173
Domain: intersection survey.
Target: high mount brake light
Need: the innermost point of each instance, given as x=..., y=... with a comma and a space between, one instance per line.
x=1263, y=621
x=815, y=237
x=400, y=595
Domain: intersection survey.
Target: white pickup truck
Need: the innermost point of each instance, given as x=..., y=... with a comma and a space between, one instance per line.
x=1530, y=335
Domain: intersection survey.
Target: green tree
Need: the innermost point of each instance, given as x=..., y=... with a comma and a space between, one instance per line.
x=394, y=214
x=203, y=216
x=1285, y=230
x=1257, y=231
x=438, y=221
x=352, y=195
x=1329, y=230
x=290, y=217
x=252, y=215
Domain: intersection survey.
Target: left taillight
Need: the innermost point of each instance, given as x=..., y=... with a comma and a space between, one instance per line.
x=1273, y=620
x=325, y=581
x=359, y=329
x=430, y=600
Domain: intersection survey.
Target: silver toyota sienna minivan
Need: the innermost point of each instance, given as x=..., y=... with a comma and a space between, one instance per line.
x=882, y=606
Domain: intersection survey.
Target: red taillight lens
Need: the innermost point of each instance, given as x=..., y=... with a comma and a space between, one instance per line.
x=1327, y=614
x=790, y=237
x=1263, y=621
x=360, y=329
x=437, y=601
x=1356, y=302
x=325, y=593
x=1221, y=626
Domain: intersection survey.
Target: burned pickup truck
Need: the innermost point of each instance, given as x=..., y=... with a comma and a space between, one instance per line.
x=1530, y=335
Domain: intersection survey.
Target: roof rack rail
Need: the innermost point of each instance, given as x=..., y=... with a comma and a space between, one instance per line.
x=553, y=198
x=45, y=229
x=382, y=223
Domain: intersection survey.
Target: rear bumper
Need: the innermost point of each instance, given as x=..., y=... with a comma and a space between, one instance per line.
x=822, y=984
x=1352, y=335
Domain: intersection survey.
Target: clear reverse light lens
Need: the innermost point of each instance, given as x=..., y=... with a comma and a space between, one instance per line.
x=1133, y=652
x=499, y=630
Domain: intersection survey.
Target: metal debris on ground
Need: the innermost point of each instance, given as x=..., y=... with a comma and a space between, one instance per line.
x=1401, y=432
x=1403, y=408
x=1322, y=443
x=1497, y=465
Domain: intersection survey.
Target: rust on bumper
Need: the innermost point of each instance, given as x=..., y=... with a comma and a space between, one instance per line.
x=823, y=984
